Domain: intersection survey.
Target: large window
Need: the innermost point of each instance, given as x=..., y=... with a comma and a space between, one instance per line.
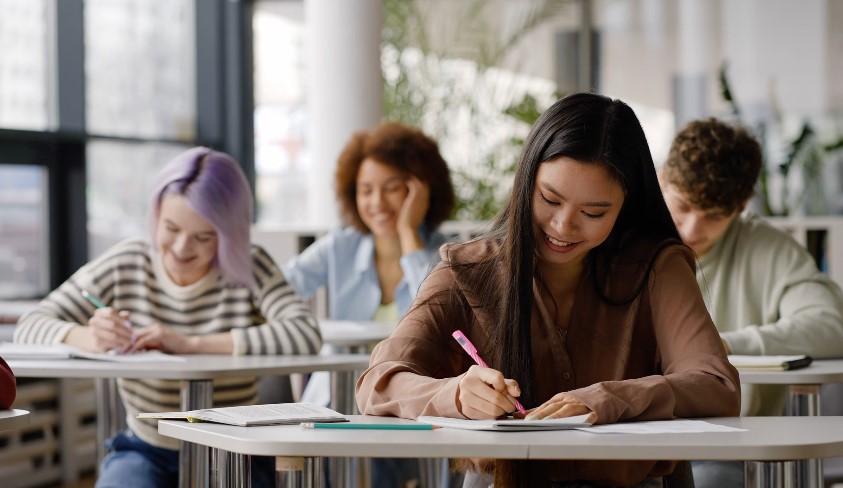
x=117, y=200
x=24, y=223
x=280, y=112
x=95, y=96
x=140, y=71
x=140, y=68
x=25, y=64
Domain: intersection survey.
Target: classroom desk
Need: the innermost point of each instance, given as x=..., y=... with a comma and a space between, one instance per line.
x=803, y=384
x=13, y=419
x=196, y=375
x=355, y=336
x=770, y=445
x=351, y=337
x=803, y=400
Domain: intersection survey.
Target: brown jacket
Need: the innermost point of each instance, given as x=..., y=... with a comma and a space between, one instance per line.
x=658, y=357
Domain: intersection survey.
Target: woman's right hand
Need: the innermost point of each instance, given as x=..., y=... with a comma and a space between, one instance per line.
x=484, y=393
x=109, y=330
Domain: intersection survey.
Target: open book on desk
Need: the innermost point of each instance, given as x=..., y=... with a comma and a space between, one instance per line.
x=508, y=424
x=769, y=363
x=10, y=350
x=271, y=414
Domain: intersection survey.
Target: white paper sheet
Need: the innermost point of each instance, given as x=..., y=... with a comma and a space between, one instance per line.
x=678, y=426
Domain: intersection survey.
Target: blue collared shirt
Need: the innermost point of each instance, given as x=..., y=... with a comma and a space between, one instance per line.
x=344, y=261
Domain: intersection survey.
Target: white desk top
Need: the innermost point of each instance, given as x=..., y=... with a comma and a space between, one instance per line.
x=768, y=438
x=196, y=367
x=819, y=372
x=14, y=418
x=353, y=332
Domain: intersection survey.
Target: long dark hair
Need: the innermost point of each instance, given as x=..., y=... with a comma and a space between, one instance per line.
x=591, y=129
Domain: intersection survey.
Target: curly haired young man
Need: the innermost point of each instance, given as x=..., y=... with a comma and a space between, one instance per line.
x=762, y=289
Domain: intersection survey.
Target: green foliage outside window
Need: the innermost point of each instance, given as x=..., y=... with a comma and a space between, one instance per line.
x=426, y=86
x=805, y=152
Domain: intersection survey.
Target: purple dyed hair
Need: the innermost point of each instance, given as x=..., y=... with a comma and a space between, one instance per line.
x=216, y=188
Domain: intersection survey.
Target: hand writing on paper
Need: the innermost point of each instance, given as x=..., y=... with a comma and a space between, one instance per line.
x=109, y=330
x=559, y=406
x=485, y=394
x=158, y=336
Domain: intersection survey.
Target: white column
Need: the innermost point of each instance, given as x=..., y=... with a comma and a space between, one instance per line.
x=697, y=35
x=344, y=88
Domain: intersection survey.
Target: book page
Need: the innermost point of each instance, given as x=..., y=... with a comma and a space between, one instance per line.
x=276, y=412
x=271, y=414
x=151, y=356
x=10, y=350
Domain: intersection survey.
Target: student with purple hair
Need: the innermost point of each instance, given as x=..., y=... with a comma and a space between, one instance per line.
x=196, y=285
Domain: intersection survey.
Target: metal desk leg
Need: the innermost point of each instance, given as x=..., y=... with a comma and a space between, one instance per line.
x=770, y=474
x=69, y=432
x=342, y=470
x=804, y=401
x=111, y=416
x=230, y=470
x=299, y=472
x=431, y=471
x=193, y=458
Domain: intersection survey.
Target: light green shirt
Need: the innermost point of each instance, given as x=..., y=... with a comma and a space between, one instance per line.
x=766, y=296
x=387, y=312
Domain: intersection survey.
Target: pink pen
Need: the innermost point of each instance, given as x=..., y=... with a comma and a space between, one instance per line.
x=472, y=351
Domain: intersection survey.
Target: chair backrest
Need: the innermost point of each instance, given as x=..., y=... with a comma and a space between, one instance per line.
x=681, y=477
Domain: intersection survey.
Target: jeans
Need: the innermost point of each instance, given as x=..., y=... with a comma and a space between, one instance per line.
x=718, y=474
x=133, y=463
x=393, y=472
x=474, y=479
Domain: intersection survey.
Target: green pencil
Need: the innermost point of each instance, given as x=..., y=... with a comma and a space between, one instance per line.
x=353, y=425
x=91, y=298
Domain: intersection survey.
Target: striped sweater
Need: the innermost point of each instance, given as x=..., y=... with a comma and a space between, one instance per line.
x=268, y=318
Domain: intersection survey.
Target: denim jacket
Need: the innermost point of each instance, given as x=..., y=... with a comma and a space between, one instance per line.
x=344, y=261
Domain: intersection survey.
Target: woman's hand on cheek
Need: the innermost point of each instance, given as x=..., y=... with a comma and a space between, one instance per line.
x=559, y=406
x=415, y=205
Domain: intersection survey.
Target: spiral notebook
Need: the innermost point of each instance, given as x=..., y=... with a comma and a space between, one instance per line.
x=509, y=424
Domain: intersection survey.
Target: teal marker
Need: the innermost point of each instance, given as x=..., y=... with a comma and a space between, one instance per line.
x=353, y=425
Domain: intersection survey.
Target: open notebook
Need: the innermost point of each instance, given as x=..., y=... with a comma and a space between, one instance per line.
x=508, y=424
x=10, y=350
x=271, y=414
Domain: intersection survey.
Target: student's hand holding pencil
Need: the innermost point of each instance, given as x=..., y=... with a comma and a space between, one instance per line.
x=484, y=393
x=110, y=331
